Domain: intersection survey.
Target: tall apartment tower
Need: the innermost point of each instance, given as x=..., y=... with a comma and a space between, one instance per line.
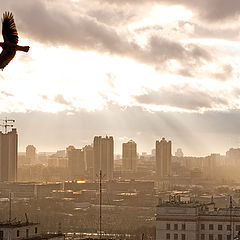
x=163, y=158
x=129, y=156
x=8, y=155
x=103, y=155
x=30, y=154
x=76, y=164
x=88, y=157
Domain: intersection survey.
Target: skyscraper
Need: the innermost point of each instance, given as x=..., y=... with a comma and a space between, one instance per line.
x=103, y=152
x=30, y=154
x=8, y=155
x=163, y=158
x=129, y=156
x=88, y=157
x=76, y=163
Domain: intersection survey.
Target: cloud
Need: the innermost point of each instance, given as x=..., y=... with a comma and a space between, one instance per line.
x=225, y=74
x=61, y=100
x=7, y=94
x=183, y=98
x=42, y=22
x=214, y=10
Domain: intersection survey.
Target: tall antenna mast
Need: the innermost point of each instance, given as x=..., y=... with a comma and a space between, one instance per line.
x=100, y=204
x=6, y=123
x=231, y=220
x=10, y=207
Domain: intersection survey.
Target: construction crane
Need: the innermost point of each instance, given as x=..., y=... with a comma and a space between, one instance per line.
x=6, y=123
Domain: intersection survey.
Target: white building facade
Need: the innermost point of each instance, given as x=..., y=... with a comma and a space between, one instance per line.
x=191, y=221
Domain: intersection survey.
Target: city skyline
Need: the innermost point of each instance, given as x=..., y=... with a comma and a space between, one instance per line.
x=129, y=69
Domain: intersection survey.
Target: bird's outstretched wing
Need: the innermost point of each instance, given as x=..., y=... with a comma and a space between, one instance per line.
x=5, y=57
x=9, y=30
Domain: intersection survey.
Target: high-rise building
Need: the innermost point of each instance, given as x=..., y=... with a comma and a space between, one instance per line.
x=88, y=157
x=8, y=155
x=163, y=158
x=76, y=163
x=129, y=156
x=30, y=154
x=103, y=152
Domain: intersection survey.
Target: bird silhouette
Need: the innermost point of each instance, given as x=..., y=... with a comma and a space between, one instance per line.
x=10, y=37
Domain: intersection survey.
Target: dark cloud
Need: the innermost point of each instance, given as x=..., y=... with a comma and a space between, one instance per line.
x=183, y=97
x=55, y=26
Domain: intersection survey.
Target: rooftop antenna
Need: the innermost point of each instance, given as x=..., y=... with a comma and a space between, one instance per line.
x=6, y=123
x=100, y=203
x=231, y=220
x=10, y=207
x=26, y=218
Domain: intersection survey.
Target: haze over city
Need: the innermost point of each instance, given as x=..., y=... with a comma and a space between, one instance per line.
x=132, y=69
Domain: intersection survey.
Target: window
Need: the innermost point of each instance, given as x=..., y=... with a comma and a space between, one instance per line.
x=18, y=233
x=228, y=237
x=183, y=237
x=210, y=226
x=183, y=226
x=229, y=227
x=175, y=227
x=237, y=227
x=1, y=235
x=175, y=236
x=210, y=237
x=168, y=236
x=202, y=227
x=168, y=226
x=27, y=231
x=219, y=227
x=220, y=237
x=202, y=237
x=36, y=230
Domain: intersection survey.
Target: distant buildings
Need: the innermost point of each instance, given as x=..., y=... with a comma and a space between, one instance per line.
x=129, y=156
x=8, y=155
x=76, y=163
x=88, y=158
x=30, y=154
x=179, y=153
x=233, y=156
x=103, y=152
x=163, y=158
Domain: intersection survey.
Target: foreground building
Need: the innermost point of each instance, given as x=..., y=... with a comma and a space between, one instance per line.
x=194, y=221
x=25, y=230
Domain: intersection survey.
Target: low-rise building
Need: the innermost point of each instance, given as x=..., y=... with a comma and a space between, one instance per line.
x=177, y=220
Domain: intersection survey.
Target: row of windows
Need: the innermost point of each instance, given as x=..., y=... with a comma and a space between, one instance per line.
x=175, y=226
x=212, y=237
x=176, y=236
x=219, y=227
x=203, y=227
x=27, y=231
x=202, y=237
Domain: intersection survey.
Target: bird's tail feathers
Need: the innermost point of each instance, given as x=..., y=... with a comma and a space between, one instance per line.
x=23, y=48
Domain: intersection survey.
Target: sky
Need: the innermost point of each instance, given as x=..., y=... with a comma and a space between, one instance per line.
x=133, y=69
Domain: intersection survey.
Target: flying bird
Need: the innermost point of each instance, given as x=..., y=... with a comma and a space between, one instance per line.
x=10, y=37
